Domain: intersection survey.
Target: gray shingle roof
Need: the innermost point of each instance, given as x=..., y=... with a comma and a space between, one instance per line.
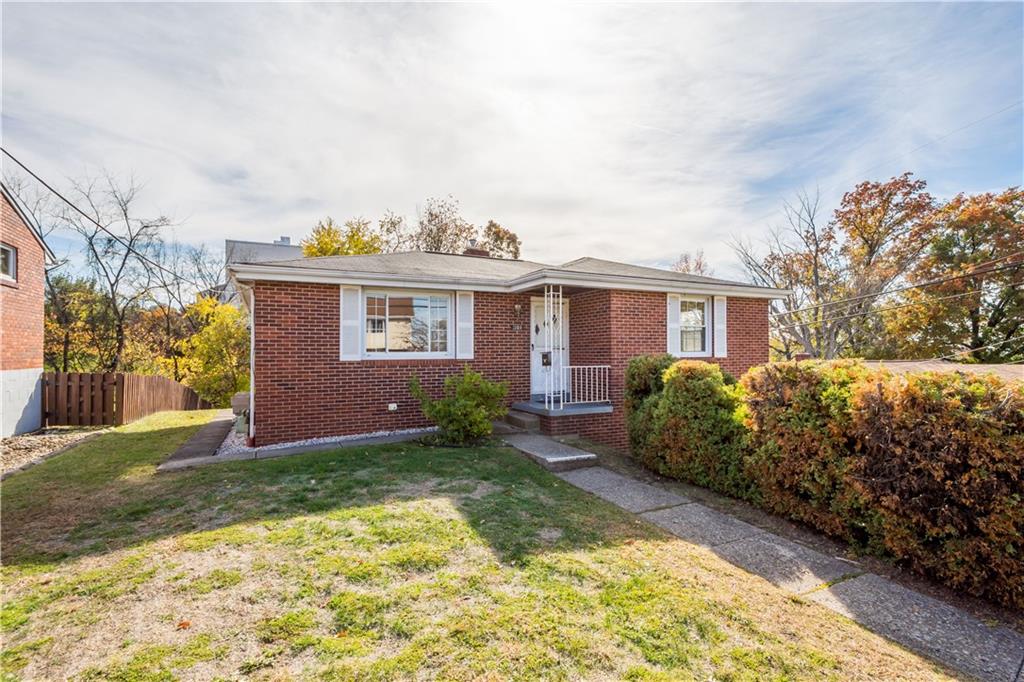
x=599, y=266
x=490, y=271
x=423, y=263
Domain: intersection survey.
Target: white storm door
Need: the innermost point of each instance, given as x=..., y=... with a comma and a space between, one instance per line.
x=538, y=345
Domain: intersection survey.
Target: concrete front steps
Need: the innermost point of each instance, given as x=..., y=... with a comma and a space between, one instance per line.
x=524, y=420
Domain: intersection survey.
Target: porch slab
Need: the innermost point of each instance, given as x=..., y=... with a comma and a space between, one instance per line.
x=550, y=454
x=700, y=525
x=628, y=493
x=786, y=564
x=927, y=625
x=567, y=411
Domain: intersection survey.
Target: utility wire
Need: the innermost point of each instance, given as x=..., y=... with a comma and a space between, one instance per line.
x=119, y=240
x=974, y=271
x=971, y=350
x=887, y=308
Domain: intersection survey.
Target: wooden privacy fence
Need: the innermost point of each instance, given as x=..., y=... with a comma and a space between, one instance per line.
x=111, y=398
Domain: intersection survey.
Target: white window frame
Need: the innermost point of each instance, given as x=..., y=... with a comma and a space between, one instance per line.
x=13, y=250
x=708, y=323
x=399, y=355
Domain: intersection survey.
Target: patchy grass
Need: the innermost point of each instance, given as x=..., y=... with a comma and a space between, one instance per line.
x=393, y=562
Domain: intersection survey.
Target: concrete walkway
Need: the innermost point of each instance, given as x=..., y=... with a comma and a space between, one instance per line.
x=206, y=440
x=918, y=622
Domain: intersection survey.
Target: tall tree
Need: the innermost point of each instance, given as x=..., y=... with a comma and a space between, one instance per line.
x=442, y=228
x=839, y=271
x=982, y=313
x=355, y=237
x=501, y=242
x=215, y=359
x=117, y=253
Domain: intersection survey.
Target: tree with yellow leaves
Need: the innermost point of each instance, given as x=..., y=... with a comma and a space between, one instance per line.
x=353, y=238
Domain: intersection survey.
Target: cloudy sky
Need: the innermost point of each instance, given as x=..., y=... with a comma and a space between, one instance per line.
x=631, y=132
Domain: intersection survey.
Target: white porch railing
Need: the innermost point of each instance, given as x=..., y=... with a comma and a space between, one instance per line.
x=585, y=384
x=566, y=384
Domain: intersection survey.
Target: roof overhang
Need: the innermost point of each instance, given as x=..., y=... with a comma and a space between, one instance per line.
x=245, y=272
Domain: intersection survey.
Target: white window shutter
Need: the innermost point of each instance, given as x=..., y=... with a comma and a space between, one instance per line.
x=351, y=316
x=674, y=344
x=719, y=313
x=464, y=325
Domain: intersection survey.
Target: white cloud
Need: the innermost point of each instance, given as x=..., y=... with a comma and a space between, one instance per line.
x=631, y=132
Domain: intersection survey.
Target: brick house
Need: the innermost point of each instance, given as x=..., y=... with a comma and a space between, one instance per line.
x=335, y=340
x=23, y=258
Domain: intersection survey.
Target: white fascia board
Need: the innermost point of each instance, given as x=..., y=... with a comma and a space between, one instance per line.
x=369, y=279
x=642, y=284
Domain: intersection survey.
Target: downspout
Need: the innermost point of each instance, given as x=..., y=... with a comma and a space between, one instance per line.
x=249, y=296
x=251, y=440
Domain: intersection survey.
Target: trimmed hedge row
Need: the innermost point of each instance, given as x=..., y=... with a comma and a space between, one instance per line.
x=926, y=468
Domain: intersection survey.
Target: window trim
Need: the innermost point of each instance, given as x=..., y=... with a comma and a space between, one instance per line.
x=13, y=277
x=708, y=322
x=411, y=355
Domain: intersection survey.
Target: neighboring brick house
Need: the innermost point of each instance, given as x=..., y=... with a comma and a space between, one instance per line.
x=23, y=258
x=335, y=340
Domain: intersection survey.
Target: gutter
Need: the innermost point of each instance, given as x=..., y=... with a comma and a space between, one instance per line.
x=252, y=272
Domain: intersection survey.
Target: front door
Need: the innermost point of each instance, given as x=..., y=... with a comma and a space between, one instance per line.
x=538, y=339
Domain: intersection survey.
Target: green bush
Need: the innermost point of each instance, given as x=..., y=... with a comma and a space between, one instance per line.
x=939, y=461
x=798, y=414
x=693, y=429
x=468, y=406
x=643, y=386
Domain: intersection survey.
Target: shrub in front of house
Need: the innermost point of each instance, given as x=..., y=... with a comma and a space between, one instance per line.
x=693, y=429
x=798, y=415
x=468, y=405
x=925, y=468
x=939, y=462
x=643, y=385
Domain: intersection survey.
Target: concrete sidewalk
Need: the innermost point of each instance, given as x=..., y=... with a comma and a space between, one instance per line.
x=920, y=623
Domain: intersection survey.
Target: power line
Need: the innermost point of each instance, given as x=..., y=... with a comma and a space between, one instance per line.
x=119, y=240
x=971, y=350
x=887, y=308
x=971, y=273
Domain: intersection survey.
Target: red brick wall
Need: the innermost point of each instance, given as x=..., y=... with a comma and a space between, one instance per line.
x=302, y=389
x=624, y=324
x=21, y=302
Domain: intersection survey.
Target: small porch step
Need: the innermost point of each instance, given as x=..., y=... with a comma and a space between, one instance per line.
x=549, y=453
x=523, y=420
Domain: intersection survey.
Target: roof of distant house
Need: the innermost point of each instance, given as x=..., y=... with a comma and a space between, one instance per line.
x=429, y=268
x=29, y=222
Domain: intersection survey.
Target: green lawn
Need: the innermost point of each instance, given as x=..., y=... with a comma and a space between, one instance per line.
x=390, y=562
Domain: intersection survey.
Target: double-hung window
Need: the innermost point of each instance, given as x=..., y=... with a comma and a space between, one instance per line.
x=8, y=263
x=693, y=326
x=407, y=324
